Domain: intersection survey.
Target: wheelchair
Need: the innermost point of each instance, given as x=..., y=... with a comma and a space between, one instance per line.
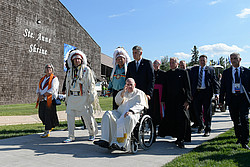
x=143, y=133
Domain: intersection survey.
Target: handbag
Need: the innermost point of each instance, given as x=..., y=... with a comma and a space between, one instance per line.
x=56, y=102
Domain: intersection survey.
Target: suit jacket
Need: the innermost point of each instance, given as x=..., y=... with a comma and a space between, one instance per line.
x=211, y=81
x=144, y=77
x=226, y=83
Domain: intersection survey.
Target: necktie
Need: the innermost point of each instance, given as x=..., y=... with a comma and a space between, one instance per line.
x=137, y=65
x=200, y=78
x=236, y=76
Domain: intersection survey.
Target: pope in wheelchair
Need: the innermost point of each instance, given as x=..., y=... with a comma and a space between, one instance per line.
x=118, y=126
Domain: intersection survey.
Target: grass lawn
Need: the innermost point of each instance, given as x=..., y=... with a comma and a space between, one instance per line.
x=29, y=109
x=220, y=152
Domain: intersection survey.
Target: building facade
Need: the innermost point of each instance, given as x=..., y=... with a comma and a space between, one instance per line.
x=32, y=34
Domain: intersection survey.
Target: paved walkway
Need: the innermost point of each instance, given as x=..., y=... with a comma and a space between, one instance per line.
x=34, y=151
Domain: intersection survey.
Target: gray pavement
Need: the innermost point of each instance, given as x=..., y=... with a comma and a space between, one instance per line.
x=34, y=151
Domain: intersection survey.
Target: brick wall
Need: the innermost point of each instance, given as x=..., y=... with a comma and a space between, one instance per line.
x=26, y=46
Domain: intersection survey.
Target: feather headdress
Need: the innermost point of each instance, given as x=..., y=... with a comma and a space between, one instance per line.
x=120, y=51
x=76, y=54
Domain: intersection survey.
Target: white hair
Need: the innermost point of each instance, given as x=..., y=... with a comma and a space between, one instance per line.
x=176, y=60
x=47, y=66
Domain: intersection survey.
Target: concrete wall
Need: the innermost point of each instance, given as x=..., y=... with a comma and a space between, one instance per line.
x=26, y=46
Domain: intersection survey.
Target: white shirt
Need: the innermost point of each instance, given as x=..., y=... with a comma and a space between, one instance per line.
x=53, y=90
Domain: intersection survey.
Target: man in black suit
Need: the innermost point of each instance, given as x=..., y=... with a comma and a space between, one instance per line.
x=142, y=71
x=204, y=84
x=235, y=87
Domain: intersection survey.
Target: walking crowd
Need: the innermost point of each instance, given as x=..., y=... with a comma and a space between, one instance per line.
x=173, y=99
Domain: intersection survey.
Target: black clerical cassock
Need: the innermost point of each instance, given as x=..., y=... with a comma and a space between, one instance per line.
x=176, y=91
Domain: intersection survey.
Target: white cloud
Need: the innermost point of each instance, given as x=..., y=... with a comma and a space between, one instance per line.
x=122, y=14
x=245, y=64
x=246, y=47
x=214, y=2
x=173, y=1
x=132, y=10
x=182, y=55
x=244, y=13
x=219, y=49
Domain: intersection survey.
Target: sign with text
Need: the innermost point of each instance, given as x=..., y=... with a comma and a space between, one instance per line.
x=35, y=48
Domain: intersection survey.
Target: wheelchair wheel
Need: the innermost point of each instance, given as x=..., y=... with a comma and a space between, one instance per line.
x=146, y=132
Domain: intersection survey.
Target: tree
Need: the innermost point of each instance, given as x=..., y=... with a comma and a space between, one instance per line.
x=195, y=56
x=165, y=64
x=228, y=63
x=222, y=61
x=212, y=62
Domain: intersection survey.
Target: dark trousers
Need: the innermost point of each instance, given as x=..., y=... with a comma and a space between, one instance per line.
x=192, y=113
x=238, y=108
x=115, y=106
x=202, y=102
x=48, y=115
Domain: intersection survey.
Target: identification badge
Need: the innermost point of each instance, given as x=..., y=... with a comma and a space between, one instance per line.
x=237, y=87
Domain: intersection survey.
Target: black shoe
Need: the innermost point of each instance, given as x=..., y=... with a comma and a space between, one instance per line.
x=194, y=126
x=245, y=146
x=180, y=144
x=238, y=141
x=200, y=130
x=116, y=147
x=102, y=143
x=206, y=134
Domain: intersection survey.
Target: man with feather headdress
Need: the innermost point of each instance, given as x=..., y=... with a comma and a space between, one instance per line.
x=80, y=94
x=118, y=75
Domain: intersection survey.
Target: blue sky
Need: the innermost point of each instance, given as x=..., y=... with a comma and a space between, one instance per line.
x=167, y=27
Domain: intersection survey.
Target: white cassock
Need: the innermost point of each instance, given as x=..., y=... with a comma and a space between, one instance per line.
x=116, y=128
x=79, y=98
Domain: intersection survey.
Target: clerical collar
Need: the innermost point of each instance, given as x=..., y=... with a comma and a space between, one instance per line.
x=173, y=69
